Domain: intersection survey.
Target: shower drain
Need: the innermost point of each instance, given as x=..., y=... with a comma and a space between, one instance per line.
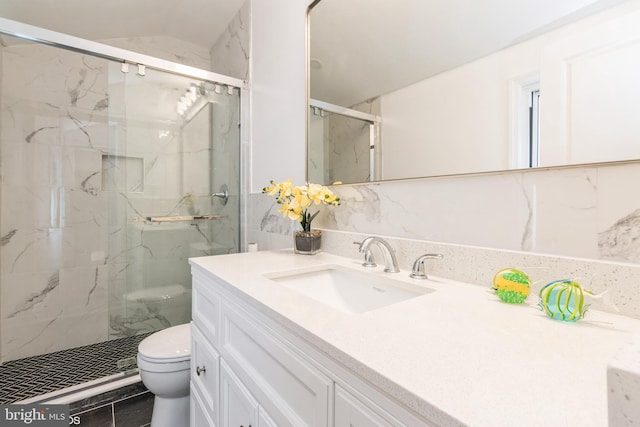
x=123, y=363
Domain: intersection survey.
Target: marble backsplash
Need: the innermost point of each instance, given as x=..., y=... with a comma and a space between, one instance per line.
x=477, y=265
x=575, y=222
x=584, y=212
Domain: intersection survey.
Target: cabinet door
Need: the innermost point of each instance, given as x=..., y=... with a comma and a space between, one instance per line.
x=204, y=371
x=295, y=393
x=198, y=415
x=264, y=420
x=350, y=412
x=237, y=407
x=205, y=308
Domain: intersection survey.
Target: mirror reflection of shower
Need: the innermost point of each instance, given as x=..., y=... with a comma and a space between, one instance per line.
x=343, y=144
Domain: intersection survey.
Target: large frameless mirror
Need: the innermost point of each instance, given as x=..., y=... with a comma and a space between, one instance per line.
x=409, y=88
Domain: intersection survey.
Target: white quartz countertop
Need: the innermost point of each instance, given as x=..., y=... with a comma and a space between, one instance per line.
x=457, y=355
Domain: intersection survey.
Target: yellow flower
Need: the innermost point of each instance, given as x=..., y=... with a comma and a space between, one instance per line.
x=316, y=193
x=285, y=188
x=295, y=201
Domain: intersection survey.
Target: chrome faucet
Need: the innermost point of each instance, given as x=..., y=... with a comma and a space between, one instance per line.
x=417, y=271
x=390, y=260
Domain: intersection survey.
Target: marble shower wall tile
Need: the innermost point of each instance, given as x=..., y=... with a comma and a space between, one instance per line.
x=230, y=54
x=55, y=78
x=65, y=117
x=34, y=335
x=348, y=141
x=167, y=48
x=53, y=229
x=53, y=311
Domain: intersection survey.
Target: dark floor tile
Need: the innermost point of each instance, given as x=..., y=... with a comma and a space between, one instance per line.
x=134, y=411
x=99, y=417
x=108, y=397
x=37, y=375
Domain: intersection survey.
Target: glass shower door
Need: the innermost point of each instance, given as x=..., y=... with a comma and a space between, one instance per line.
x=182, y=145
x=52, y=272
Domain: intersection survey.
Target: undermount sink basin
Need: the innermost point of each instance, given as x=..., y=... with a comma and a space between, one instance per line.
x=346, y=289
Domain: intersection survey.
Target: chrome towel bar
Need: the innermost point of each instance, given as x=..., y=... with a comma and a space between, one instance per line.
x=177, y=218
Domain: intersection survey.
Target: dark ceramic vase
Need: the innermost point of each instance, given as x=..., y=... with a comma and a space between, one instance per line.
x=307, y=242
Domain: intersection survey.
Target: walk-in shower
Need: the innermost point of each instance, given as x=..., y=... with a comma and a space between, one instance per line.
x=112, y=165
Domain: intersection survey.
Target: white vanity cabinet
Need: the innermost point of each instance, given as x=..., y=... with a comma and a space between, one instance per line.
x=266, y=376
x=352, y=412
x=205, y=373
x=239, y=408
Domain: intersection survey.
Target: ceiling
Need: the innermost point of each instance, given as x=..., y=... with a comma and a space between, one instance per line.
x=354, y=42
x=196, y=21
x=362, y=48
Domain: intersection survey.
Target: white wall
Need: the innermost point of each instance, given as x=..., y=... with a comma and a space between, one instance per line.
x=460, y=121
x=278, y=91
x=452, y=123
x=590, y=90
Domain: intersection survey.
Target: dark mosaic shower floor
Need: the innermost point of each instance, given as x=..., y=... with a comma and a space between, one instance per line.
x=34, y=376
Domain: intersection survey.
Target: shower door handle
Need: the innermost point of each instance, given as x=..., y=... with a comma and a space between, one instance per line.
x=223, y=194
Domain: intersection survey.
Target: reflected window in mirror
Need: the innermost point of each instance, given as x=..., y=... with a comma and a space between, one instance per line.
x=534, y=128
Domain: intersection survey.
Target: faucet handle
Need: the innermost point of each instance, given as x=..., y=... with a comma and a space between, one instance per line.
x=417, y=271
x=369, y=260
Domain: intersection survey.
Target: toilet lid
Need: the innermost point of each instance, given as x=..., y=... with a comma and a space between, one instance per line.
x=169, y=345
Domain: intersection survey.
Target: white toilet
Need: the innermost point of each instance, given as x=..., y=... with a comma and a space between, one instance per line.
x=164, y=363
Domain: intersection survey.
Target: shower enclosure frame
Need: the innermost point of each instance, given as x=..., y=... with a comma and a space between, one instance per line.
x=100, y=50
x=103, y=51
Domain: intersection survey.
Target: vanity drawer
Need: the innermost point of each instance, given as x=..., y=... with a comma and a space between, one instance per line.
x=290, y=389
x=206, y=309
x=205, y=371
